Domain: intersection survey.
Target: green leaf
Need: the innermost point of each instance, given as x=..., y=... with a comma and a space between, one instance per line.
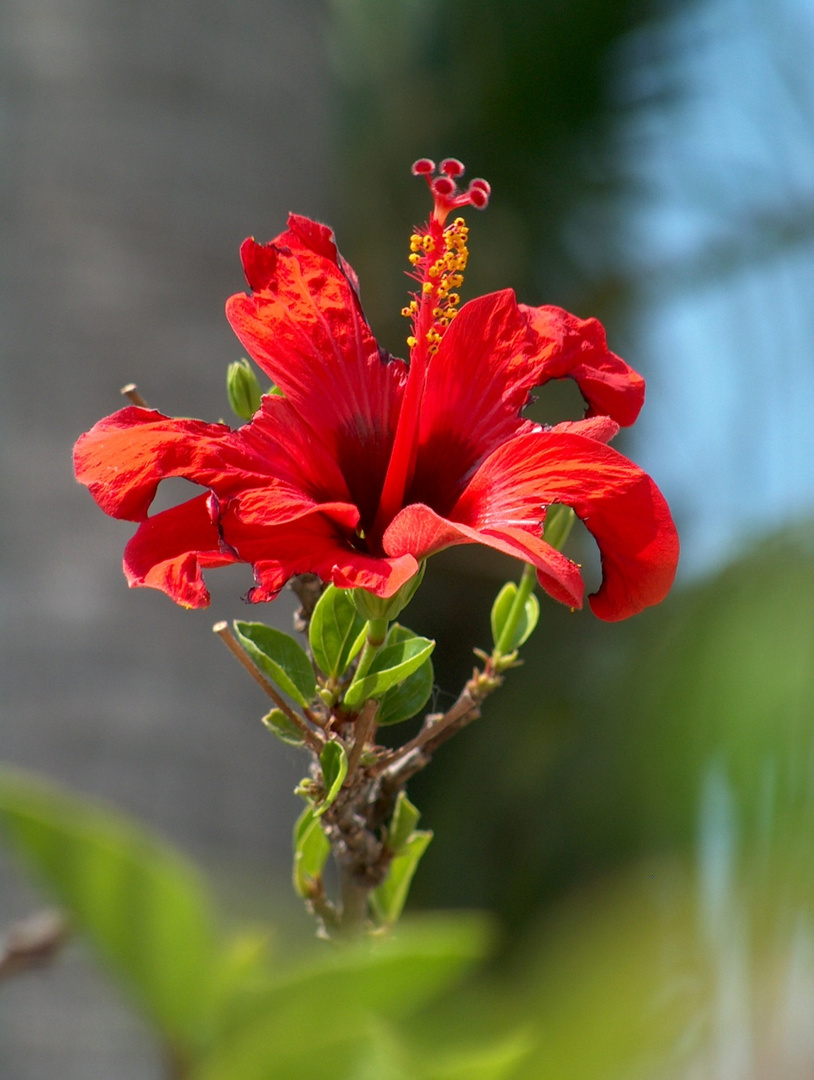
x=402, y=702
x=389, y=899
x=285, y=729
x=404, y=820
x=312, y=1019
x=311, y=850
x=501, y=610
x=334, y=762
x=142, y=905
x=280, y=657
x=335, y=631
x=394, y=662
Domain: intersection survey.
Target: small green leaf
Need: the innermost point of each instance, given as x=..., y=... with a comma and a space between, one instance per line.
x=336, y=627
x=334, y=762
x=311, y=850
x=402, y=702
x=394, y=663
x=501, y=610
x=280, y=657
x=404, y=820
x=285, y=729
x=389, y=899
x=141, y=904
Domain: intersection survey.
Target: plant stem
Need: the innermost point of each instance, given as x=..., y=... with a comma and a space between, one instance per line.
x=224, y=632
x=354, y=894
x=525, y=588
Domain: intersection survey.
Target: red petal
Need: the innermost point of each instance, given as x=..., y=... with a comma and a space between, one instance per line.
x=304, y=326
x=317, y=541
x=170, y=549
x=473, y=396
x=618, y=502
x=419, y=530
x=601, y=428
x=123, y=458
x=489, y=360
x=566, y=346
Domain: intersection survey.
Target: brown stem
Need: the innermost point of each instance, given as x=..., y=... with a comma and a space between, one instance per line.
x=133, y=396
x=224, y=632
x=32, y=943
x=354, y=894
x=364, y=729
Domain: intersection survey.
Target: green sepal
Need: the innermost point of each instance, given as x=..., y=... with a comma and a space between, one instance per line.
x=285, y=729
x=398, y=658
x=334, y=762
x=402, y=823
x=402, y=702
x=559, y=520
x=311, y=850
x=501, y=610
x=336, y=630
x=389, y=899
x=243, y=389
x=372, y=607
x=280, y=657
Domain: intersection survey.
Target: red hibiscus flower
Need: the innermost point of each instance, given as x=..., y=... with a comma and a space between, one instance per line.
x=364, y=464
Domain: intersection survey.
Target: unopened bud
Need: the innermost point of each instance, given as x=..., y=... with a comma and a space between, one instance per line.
x=243, y=389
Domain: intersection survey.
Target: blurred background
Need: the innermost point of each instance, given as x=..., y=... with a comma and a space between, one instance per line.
x=637, y=806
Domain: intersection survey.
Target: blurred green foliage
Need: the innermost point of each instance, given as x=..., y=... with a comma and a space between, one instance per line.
x=647, y=827
x=516, y=90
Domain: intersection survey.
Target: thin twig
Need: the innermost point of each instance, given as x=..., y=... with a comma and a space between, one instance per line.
x=364, y=728
x=32, y=943
x=224, y=632
x=133, y=396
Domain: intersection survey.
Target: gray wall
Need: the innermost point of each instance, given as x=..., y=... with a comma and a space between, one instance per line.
x=142, y=140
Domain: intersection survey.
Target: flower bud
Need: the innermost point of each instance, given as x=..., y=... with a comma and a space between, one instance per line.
x=243, y=389
x=375, y=608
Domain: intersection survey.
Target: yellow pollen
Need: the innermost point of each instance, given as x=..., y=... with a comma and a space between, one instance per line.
x=411, y=341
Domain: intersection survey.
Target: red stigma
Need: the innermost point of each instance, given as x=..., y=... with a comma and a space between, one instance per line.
x=422, y=166
x=452, y=167
x=445, y=191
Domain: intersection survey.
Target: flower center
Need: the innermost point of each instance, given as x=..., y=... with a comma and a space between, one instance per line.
x=438, y=255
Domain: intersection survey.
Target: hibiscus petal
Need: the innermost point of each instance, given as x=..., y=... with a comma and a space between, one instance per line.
x=617, y=501
x=123, y=458
x=304, y=326
x=568, y=347
x=493, y=354
x=317, y=541
x=170, y=549
x=419, y=530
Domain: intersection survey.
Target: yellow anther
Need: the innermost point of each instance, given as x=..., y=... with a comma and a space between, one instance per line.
x=411, y=341
x=427, y=287
x=406, y=312
x=433, y=271
x=428, y=243
x=453, y=299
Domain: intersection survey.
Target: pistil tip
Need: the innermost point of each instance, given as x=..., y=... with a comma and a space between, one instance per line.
x=423, y=166
x=445, y=191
